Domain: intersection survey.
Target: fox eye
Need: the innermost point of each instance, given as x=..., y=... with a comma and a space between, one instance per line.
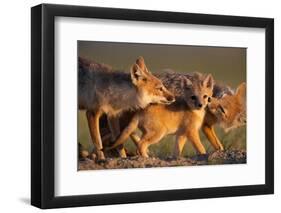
x=205, y=96
x=209, y=99
x=144, y=80
x=193, y=97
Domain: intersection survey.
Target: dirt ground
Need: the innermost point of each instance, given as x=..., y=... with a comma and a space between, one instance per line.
x=217, y=157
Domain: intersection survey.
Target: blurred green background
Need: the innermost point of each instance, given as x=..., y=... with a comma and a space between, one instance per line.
x=227, y=65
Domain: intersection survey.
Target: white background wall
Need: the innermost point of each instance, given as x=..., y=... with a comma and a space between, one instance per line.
x=15, y=105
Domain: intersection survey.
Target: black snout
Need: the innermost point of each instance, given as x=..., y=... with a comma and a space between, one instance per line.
x=200, y=105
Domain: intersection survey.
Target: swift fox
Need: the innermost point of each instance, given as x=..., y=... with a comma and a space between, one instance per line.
x=104, y=91
x=226, y=109
x=183, y=118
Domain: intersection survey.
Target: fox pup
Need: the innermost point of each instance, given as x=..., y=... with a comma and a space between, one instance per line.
x=227, y=110
x=183, y=118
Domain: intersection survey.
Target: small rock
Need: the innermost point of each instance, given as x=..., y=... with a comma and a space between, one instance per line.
x=84, y=153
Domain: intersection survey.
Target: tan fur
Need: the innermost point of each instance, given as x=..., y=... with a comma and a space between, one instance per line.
x=182, y=119
x=229, y=112
x=149, y=88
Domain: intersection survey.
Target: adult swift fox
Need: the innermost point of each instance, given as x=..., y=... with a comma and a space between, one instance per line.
x=226, y=109
x=183, y=118
x=104, y=91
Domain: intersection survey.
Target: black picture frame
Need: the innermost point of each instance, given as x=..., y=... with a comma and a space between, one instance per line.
x=43, y=102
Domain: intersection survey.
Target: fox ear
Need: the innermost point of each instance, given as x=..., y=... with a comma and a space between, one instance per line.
x=136, y=74
x=140, y=62
x=209, y=82
x=241, y=92
x=185, y=82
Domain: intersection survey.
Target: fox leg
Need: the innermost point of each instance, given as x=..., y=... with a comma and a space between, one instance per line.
x=133, y=125
x=211, y=135
x=122, y=152
x=136, y=139
x=147, y=140
x=180, y=142
x=196, y=142
x=114, y=127
x=93, y=122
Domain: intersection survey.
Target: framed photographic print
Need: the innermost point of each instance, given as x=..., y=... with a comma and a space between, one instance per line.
x=139, y=106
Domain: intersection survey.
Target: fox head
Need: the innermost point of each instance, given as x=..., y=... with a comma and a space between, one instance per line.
x=197, y=90
x=230, y=110
x=150, y=89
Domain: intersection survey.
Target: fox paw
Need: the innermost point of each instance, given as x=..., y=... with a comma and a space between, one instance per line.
x=202, y=157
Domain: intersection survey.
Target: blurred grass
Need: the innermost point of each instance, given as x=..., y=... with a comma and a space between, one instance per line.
x=226, y=64
x=234, y=139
